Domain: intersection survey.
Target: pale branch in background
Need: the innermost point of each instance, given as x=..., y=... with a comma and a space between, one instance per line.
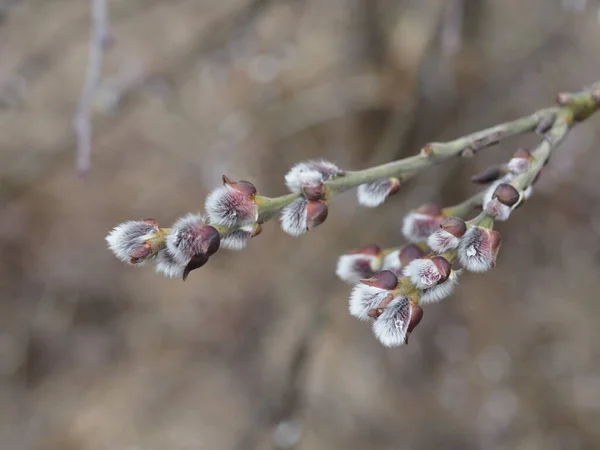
x=452, y=26
x=99, y=40
x=390, y=284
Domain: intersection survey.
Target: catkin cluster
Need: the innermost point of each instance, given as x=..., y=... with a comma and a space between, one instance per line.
x=391, y=285
x=234, y=214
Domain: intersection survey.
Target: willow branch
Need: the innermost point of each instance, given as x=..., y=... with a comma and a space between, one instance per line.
x=432, y=154
x=235, y=214
x=575, y=107
x=83, y=116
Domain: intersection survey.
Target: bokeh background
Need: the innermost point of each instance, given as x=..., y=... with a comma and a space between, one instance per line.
x=256, y=350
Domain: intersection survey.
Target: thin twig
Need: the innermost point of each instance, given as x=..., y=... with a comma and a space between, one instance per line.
x=432, y=154
x=83, y=117
x=575, y=107
x=452, y=26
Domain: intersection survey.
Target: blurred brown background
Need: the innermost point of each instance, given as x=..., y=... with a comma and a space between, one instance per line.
x=257, y=350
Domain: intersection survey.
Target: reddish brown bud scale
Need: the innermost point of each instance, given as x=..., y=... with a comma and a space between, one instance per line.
x=455, y=226
x=314, y=193
x=195, y=263
x=416, y=315
x=142, y=251
x=316, y=213
x=443, y=267
x=210, y=240
x=242, y=186
x=507, y=194
x=409, y=253
x=495, y=240
x=375, y=313
x=386, y=279
x=395, y=186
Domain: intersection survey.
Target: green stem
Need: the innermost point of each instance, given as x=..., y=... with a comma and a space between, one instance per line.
x=465, y=208
x=482, y=220
x=542, y=153
x=577, y=106
x=438, y=152
x=268, y=207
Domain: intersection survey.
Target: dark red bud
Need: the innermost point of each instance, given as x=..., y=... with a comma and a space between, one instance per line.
x=495, y=240
x=196, y=262
x=142, y=251
x=211, y=240
x=314, y=193
x=507, y=194
x=455, y=226
x=375, y=313
x=382, y=280
x=395, y=186
x=243, y=186
x=443, y=267
x=409, y=253
x=429, y=209
x=416, y=315
x=316, y=213
x=488, y=175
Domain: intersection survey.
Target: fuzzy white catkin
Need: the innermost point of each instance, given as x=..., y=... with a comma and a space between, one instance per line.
x=417, y=227
x=442, y=290
x=441, y=241
x=310, y=173
x=498, y=210
x=229, y=207
x=346, y=268
x=127, y=237
x=391, y=261
x=423, y=273
x=180, y=242
x=293, y=217
x=238, y=239
x=391, y=326
x=475, y=252
x=364, y=298
x=518, y=166
x=167, y=265
x=374, y=194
